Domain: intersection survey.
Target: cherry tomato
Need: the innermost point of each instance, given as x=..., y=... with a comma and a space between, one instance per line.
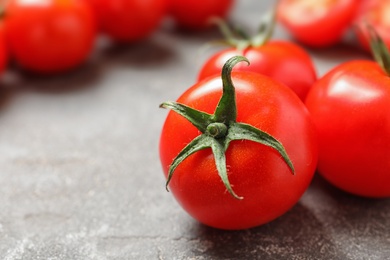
x=377, y=14
x=194, y=14
x=319, y=23
x=256, y=171
x=129, y=20
x=283, y=61
x=350, y=108
x=49, y=36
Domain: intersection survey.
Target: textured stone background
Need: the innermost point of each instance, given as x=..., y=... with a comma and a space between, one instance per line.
x=80, y=176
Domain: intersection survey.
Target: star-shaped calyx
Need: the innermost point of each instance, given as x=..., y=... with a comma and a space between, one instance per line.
x=220, y=128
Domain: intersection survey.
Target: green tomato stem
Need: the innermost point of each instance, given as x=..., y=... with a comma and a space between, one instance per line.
x=226, y=111
x=379, y=49
x=217, y=130
x=241, y=40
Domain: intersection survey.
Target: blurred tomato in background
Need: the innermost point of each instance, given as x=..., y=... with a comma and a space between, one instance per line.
x=128, y=20
x=317, y=23
x=195, y=14
x=377, y=14
x=49, y=36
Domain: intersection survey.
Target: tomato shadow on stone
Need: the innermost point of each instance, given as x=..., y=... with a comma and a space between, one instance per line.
x=343, y=198
x=366, y=218
x=344, y=51
x=82, y=77
x=341, y=52
x=206, y=35
x=297, y=233
x=155, y=51
x=197, y=39
x=5, y=98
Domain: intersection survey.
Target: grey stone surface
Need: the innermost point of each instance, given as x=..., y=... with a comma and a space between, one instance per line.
x=80, y=176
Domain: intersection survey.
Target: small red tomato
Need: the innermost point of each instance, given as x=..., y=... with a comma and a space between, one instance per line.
x=129, y=20
x=236, y=149
x=49, y=36
x=350, y=108
x=194, y=14
x=377, y=14
x=319, y=23
x=283, y=61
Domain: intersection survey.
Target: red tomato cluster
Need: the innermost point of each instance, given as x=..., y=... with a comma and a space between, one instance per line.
x=267, y=95
x=323, y=23
x=52, y=36
x=239, y=148
x=222, y=167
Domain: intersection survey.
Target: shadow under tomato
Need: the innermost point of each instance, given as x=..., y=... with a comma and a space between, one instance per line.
x=154, y=51
x=296, y=234
x=145, y=55
x=206, y=34
x=342, y=51
x=364, y=217
x=5, y=98
x=77, y=79
x=344, y=198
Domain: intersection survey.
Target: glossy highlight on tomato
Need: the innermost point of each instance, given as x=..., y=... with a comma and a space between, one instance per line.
x=319, y=23
x=283, y=61
x=350, y=108
x=256, y=171
x=49, y=36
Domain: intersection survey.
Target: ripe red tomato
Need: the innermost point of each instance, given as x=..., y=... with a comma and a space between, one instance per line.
x=377, y=14
x=350, y=108
x=256, y=171
x=194, y=14
x=49, y=36
x=318, y=23
x=129, y=20
x=283, y=61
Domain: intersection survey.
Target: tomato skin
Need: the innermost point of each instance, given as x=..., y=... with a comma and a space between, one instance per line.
x=317, y=23
x=376, y=14
x=195, y=15
x=256, y=172
x=283, y=61
x=49, y=36
x=350, y=108
x=129, y=20
x=3, y=49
